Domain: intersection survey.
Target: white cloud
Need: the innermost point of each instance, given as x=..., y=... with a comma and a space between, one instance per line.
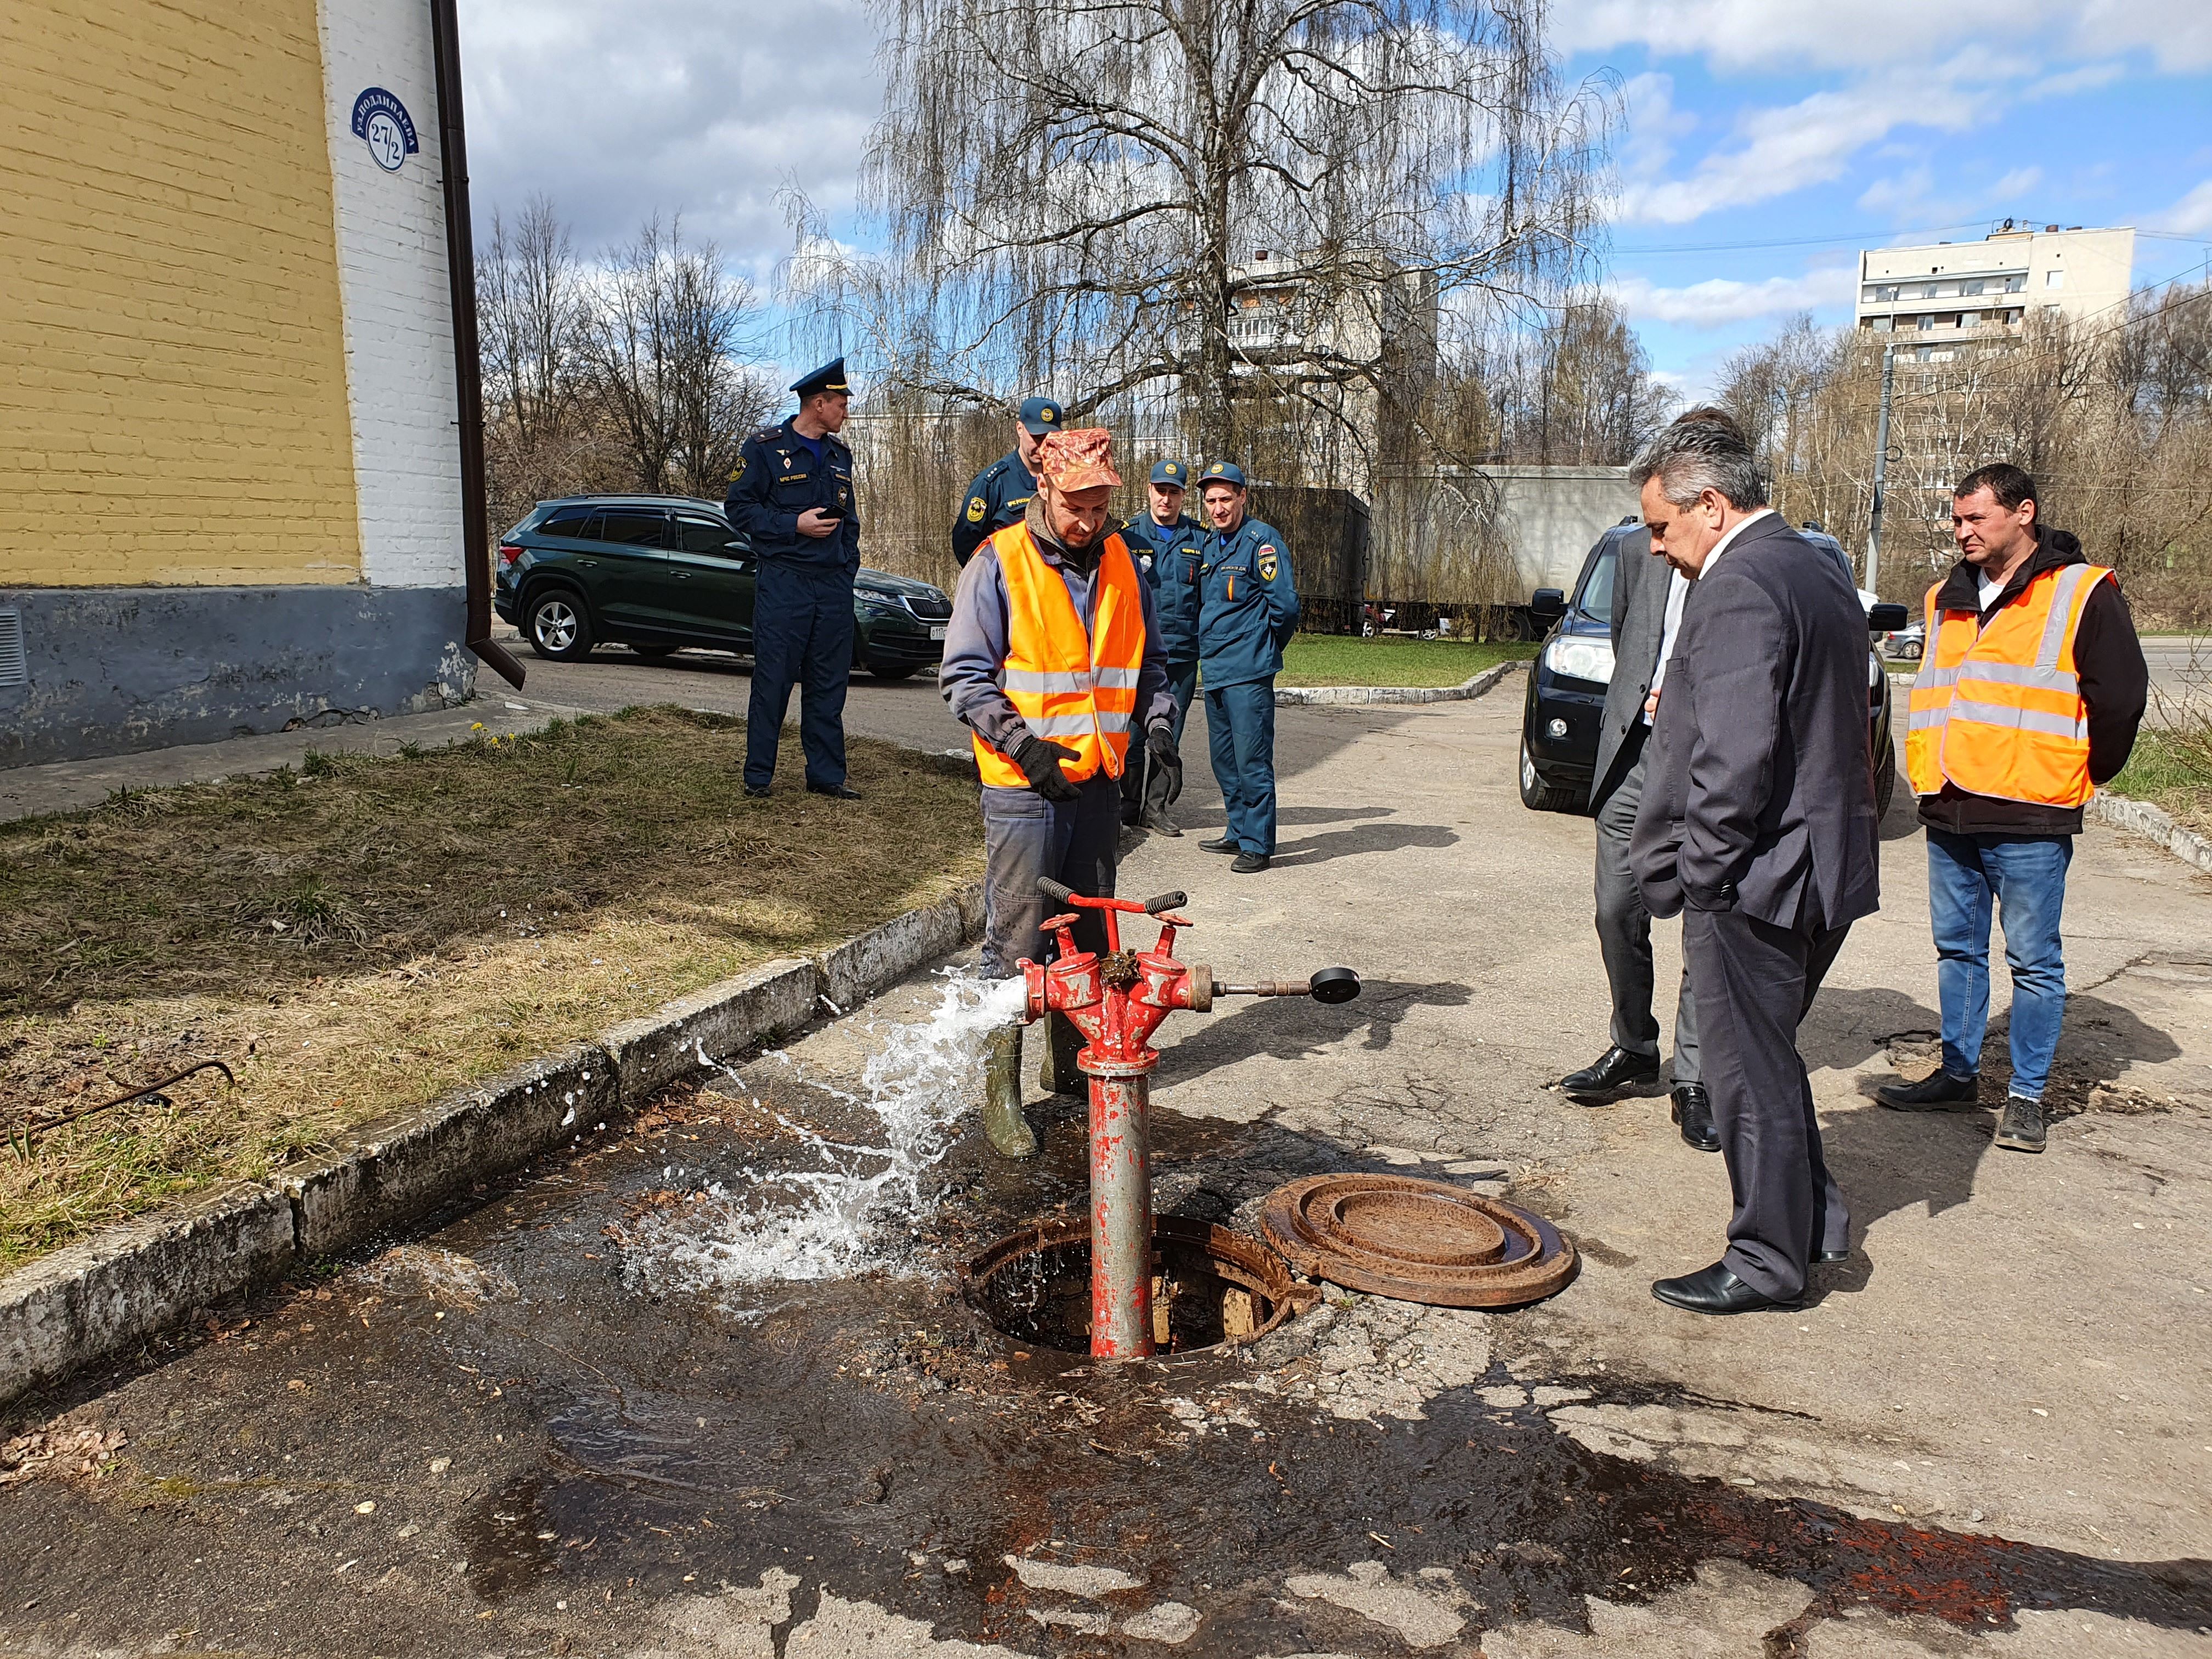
x=2190, y=215
x=1869, y=34
x=2088, y=78
x=1811, y=141
x=617, y=111
x=1718, y=302
x=2018, y=182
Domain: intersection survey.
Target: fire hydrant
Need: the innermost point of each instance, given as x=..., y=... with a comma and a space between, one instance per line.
x=1117, y=1001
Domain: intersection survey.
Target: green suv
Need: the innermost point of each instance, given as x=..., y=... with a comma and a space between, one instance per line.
x=662, y=573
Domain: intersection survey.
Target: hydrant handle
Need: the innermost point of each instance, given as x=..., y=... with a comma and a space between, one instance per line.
x=1061, y=893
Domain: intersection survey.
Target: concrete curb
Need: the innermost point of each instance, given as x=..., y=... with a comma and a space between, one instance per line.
x=98, y=1299
x=2153, y=824
x=1306, y=696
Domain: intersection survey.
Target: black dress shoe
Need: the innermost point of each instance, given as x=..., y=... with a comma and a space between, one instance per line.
x=1829, y=1258
x=1249, y=864
x=1221, y=844
x=1937, y=1092
x=835, y=791
x=752, y=793
x=1713, y=1290
x=1614, y=1067
x=1693, y=1111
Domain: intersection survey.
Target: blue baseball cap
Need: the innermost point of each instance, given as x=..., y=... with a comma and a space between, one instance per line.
x=830, y=377
x=1226, y=472
x=1171, y=473
x=1040, y=416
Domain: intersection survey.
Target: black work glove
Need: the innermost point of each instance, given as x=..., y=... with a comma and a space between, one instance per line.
x=1160, y=745
x=1039, y=762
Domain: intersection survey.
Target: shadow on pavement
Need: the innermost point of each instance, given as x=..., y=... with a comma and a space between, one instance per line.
x=1367, y=838
x=1291, y=1028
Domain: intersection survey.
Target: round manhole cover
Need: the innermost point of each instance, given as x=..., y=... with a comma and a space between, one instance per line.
x=1417, y=1241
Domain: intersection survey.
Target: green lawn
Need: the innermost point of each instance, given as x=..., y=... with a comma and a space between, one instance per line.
x=2174, y=772
x=1347, y=659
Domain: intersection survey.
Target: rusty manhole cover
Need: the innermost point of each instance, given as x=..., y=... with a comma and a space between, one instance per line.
x=1417, y=1241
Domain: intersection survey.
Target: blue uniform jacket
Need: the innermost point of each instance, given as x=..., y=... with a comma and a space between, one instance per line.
x=999, y=496
x=777, y=479
x=1170, y=554
x=1247, y=604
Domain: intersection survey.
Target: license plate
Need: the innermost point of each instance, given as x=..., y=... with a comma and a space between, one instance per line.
x=938, y=632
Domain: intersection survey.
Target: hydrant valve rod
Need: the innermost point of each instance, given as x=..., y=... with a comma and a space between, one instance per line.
x=1117, y=1001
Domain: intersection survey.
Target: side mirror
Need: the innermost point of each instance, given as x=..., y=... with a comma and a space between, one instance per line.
x=1548, y=605
x=1887, y=618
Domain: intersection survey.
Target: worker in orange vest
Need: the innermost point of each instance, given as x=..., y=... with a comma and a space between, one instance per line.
x=1053, y=659
x=2030, y=691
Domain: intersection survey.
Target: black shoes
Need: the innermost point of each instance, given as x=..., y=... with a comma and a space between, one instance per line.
x=1156, y=820
x=1613, y=1068
x=1249, y=864
x=752, y=793
x=1221, y=844
x=1713, y=1290
x=2020, y=1129
x=1939, y=1092
x=1829, y=1258
x=1693, y=1111
x=835, y=791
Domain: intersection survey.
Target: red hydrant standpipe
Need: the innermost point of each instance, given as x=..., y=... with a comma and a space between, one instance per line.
x=1117, y=1001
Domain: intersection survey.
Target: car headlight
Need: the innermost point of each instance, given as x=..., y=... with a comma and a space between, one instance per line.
x=1874, y=669
x=1581, y=659
x=876, y=599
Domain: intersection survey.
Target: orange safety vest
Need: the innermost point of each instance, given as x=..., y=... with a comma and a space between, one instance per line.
x=1999, y=710
x=1070, y=686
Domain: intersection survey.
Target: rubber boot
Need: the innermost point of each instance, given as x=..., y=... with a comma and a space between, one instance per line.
x=1058, y=1073
x=1003, y=1126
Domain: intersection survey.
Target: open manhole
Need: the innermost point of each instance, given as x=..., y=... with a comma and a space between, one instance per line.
x=1210, y=1287
x=1417, y=1241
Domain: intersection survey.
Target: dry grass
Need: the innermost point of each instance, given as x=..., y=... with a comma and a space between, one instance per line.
x=1349, y=659
x=367, y=934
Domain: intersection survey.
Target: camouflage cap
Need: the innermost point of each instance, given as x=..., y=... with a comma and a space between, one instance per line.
x=1079, y=460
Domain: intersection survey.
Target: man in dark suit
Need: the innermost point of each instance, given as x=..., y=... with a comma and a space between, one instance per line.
x=1757, y=825
x=1647, y=597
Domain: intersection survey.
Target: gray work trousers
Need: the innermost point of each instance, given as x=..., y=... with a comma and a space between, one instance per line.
x=1755, y=981
x=1624, y=933
x=1025, y=836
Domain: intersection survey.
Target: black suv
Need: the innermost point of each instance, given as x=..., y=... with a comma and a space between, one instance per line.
x=1567, y=682
x=659, y=572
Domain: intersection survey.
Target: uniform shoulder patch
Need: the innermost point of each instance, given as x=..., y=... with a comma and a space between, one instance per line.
x=739, y=470
x=767, y=435
x=976, y=509
x=1267, y=564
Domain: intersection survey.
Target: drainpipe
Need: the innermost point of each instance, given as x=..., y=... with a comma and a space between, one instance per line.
x=468, y=363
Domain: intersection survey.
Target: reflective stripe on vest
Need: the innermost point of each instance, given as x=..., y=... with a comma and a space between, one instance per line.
x=1997, y=710
x=1072, y=685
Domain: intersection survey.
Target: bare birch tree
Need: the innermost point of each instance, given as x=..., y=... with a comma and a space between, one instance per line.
x=1093, y=194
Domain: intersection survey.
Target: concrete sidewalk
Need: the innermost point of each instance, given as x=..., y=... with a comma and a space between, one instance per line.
x=72, y=786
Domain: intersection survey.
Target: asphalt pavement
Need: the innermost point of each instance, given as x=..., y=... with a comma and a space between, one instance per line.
x=552, y=1425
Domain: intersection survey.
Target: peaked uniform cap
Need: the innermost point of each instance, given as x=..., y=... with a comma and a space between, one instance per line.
x=1226, y=472
x=1171, y=473
x=830, y=377
x=1040, y=416
x=1081, y=459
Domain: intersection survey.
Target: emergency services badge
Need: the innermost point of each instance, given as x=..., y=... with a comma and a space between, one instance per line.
x=974, y=509
x=1267, y=563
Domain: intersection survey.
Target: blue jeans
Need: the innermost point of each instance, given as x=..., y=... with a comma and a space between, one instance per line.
x=2026, y=877
x=1240, y=733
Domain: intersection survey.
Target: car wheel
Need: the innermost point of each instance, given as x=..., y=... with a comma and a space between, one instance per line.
x=892, y=671
x=1537, y=795
x=1885, y=788
x=559, y=628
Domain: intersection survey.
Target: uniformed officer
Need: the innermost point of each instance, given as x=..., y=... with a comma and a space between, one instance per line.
x=1248, y=610
x=1000, y=493
x=791, y=496
x=1166, y=542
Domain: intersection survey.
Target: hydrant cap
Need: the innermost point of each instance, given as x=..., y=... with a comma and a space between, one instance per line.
x=1333, y=984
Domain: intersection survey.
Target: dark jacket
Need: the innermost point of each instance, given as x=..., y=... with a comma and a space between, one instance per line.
x=780, y=477
x=2114, y=687
x=997, y=496
x=1641, y=582
x=1758, y=790
x=1169, y=554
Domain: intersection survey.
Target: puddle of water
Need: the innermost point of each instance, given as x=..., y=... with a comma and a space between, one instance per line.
x=851, y=1211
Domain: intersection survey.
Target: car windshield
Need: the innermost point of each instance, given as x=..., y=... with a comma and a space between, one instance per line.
x=1595, y=600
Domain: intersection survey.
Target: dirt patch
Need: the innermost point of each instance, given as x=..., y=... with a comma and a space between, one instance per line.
x=365, y=934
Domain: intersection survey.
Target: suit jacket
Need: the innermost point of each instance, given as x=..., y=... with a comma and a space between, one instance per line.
x=1758, y=790
x=1639, y=622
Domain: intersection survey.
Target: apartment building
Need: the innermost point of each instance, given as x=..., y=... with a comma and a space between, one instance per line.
x=1954, y=296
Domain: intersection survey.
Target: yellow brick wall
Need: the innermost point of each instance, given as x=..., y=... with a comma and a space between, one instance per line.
x=173, y=392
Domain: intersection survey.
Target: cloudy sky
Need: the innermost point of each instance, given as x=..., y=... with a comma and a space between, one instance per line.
x=1768, y=140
